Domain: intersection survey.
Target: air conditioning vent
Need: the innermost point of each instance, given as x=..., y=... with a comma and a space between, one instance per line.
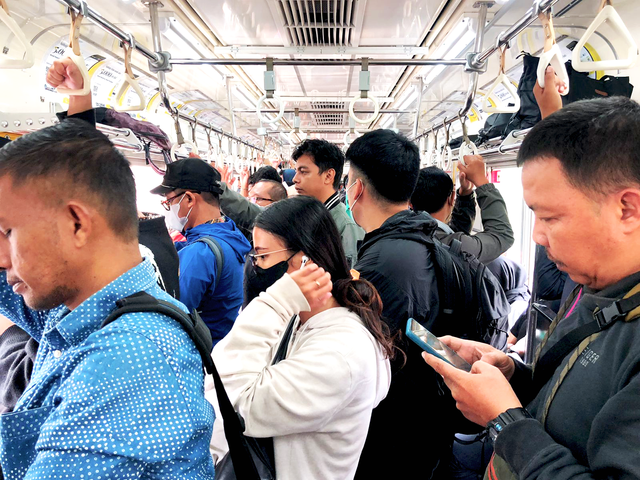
x=328, y=119
x=318, y=22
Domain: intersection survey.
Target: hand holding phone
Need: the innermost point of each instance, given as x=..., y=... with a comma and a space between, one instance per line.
x=430, y=344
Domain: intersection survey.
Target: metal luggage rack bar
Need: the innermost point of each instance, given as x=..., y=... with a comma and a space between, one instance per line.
x=157, y=60
x=475, y=62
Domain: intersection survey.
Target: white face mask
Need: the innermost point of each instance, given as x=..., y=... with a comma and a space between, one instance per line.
x=172, y=220
x=356, y=200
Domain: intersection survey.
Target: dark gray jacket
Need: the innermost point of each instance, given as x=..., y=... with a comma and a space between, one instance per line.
x=593, y=424
x=16, y=364
x=497, y=235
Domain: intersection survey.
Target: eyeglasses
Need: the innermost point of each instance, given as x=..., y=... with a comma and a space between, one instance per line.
x=260, y=199
x=167, y=202
x=254, y=257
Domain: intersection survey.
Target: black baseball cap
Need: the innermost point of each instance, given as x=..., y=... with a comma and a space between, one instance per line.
x=190, y=174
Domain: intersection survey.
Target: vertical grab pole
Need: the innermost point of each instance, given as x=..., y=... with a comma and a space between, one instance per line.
x=157, y=46
x=232, y=117
x=416, y=122
x=475, y=72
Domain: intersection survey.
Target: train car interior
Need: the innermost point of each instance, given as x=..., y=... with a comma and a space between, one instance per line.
x=241, y=83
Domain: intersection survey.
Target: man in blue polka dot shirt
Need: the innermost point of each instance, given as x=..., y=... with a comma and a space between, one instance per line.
x=121, y=402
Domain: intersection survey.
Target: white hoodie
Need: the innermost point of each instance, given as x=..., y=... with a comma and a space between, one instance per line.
x=317, y=402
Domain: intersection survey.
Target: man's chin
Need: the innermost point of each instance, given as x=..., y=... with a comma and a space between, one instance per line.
x=59, y=296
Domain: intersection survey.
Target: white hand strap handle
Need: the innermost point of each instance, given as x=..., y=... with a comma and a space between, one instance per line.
x=73, y=52
x=446, y=158
x=265, y=119
x=608, y=13
x=82, y=68
x=347, y=134
x=466, y=149
x=10, y=63
x=501, y=108
x=504, y=81
x=376, y=109
x=552, y=55
x=175, y=146
x=129, y=81
x=302, y=135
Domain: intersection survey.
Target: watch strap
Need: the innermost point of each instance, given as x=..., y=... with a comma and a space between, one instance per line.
x=512, y=415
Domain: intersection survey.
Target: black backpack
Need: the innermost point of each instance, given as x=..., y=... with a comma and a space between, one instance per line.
x=472, y=303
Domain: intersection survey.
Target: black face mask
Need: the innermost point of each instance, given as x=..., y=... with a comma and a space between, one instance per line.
x=257, y=280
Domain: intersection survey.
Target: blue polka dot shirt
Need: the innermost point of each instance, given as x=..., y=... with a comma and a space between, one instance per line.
x=122, y=402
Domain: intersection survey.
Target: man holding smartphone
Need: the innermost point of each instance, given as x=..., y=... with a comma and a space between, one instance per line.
x=580, y=168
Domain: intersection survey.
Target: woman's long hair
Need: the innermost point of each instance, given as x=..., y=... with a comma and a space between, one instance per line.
x=304, y=224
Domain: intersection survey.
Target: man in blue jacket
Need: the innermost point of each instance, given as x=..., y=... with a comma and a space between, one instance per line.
x=191, y=189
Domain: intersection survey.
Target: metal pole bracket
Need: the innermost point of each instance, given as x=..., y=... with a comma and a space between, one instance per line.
x=473, y=66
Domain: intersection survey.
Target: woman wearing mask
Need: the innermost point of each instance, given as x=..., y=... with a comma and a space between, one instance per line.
x=317, y=402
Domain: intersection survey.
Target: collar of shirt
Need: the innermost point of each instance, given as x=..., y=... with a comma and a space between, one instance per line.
x=68, y=328
x=332, y=201
x=444, y=227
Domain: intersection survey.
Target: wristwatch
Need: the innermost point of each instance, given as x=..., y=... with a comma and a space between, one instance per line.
x=496, y=425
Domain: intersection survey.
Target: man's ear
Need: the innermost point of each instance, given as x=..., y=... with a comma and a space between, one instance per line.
x=79, y=223
x=189, y=199
x=452, y=199
x=329, y=176
x=628, y=202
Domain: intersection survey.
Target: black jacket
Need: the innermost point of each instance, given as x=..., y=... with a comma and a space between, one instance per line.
x=412, y=429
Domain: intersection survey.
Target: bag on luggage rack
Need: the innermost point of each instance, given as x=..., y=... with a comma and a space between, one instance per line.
x=146, y=132
x=501, y=124
x=583, y=87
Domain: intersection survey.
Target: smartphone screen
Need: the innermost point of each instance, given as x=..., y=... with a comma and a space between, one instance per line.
x=430, y=343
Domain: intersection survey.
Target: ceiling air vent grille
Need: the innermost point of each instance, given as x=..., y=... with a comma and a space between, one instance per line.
x=328, y=119
x=318, y=22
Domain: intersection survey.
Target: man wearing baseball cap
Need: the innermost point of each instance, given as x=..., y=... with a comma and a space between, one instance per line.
x=191, y=189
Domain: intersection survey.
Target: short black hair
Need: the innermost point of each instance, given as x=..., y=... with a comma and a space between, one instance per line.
x=265, y=173
x=595, y=141
x=277, y=191
x=388, y=161
x=432, y=190
x=325, y=155
x=76, y=159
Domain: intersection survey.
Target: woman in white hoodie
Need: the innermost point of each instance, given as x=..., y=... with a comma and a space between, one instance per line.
x=317, y=402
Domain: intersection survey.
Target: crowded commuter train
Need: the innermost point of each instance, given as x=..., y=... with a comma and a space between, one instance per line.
x=319, y=239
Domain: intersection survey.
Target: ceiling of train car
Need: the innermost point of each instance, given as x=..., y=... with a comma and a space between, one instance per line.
x=297, y=29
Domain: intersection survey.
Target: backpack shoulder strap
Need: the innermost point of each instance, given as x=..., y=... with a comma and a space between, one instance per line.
x=201, y=336
x=218, y=253
x=626, y=308
x=192, y=324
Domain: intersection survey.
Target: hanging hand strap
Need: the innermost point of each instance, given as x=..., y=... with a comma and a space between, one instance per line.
x=74, y=34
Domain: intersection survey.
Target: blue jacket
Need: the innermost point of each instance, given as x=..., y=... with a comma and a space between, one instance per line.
x=218, y=308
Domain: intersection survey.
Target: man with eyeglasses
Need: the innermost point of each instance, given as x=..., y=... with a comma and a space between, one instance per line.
x=192, y=191
x=266, y=192
x=244, y=210
x=319, y=167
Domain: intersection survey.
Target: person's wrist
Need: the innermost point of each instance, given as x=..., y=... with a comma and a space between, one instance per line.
x=506, y=418
x=465, y=192
x=480, y=181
